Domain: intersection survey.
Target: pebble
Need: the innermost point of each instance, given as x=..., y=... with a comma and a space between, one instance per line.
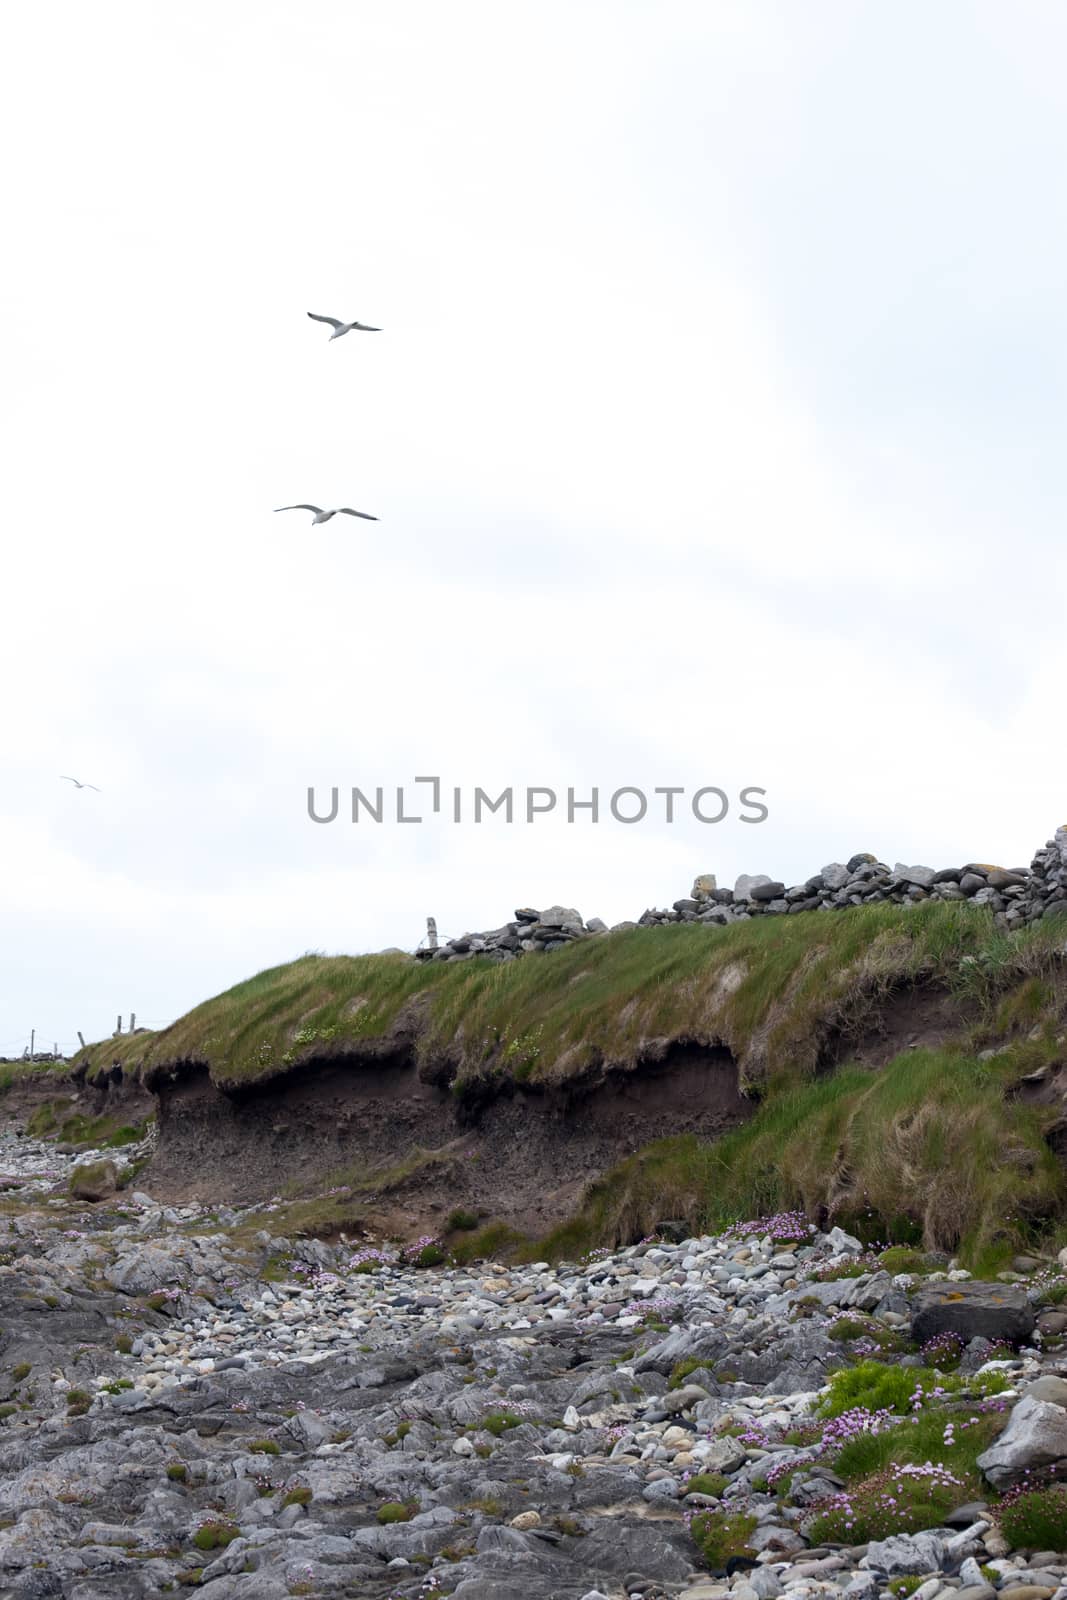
x=514, y=1407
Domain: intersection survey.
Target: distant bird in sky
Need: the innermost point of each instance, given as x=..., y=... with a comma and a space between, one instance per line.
x=324, y=516
x=340, y=328
x=77, y=785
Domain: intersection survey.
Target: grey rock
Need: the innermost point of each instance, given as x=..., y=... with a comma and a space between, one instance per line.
x=747, y=883
x=964, y=1516
x=661, y=1489
x=561, y=917
x=723, y=1454
x=842, y=1243
x=972, y=1310
x=769, y=1536
x=684, y=1398
x=1049, y=1387
x=904, y=1554
x=1036, y=1437
x=971, y=882
x=917, y=877
x=765, y=1582
x=1000, y=878
x=861, y=1586
x=93, y=1180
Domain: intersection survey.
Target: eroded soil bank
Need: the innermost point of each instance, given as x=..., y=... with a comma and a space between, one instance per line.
x=522, y=1157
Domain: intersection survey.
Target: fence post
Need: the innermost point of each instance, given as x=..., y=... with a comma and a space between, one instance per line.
x=81, y=1041
x=118, y=1026
x=133, y=1022
x=431, y=933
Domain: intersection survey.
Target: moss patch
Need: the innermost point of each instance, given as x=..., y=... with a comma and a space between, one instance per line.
x=719, y=1536
x=396, y=1511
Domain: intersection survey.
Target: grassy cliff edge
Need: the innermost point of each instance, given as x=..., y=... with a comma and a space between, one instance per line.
x=937, y=1143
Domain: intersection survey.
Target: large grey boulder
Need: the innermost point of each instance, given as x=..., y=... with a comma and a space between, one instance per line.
x=918, y=877
x=1036, y=1436
x=562, y=917
x=1048, y=1387
x=246, y=1586
x=842, y=1243
x=680, y=1344
x=1005, y=878
x=905, y=1553
x=723, y=1454
x=860, y=1294
x=93, y=1180
x=770, y=890
x=973, y=1311
x=682, y=1399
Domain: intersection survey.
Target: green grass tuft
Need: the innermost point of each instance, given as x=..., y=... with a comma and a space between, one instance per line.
x=1035, y=1519
x=709, y=1483
x=396, y=1511
x=498, y=1422
x=772, y=989
x=718, y=1536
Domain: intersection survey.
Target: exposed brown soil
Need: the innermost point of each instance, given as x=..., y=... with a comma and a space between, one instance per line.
x=121, y=1097
x=127, y=1099
x=412, y=1151
x=26, y=1095
x=909, y=1018
x=522, y=1158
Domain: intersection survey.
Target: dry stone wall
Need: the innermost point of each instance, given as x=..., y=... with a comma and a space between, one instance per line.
x=1016, y=896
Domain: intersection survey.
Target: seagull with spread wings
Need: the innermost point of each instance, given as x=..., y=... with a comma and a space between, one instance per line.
x=65, y=779
x=324, y=516
x=340, y=328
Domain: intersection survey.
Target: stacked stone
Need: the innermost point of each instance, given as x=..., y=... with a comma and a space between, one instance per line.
x=41, y=1057
x=1046, y=891
x=1015, y=895
x=531, y=931
x=862, y=880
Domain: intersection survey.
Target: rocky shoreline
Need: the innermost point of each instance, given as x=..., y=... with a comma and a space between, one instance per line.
x=193, y=1404
x=1017, y=896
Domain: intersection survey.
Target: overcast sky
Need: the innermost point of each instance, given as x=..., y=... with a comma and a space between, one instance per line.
x=715, y=432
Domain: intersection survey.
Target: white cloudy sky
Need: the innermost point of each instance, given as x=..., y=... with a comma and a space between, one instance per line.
x=716, y=434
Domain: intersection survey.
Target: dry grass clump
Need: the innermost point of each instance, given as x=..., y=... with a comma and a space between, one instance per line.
x=929, y=1149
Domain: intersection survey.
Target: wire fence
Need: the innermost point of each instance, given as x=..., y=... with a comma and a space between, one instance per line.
x=29, y=1045
x=36, y=1045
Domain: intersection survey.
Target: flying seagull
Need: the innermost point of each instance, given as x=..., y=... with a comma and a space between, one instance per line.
x=340, y=328
x=76, y=784
x=324, y=516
